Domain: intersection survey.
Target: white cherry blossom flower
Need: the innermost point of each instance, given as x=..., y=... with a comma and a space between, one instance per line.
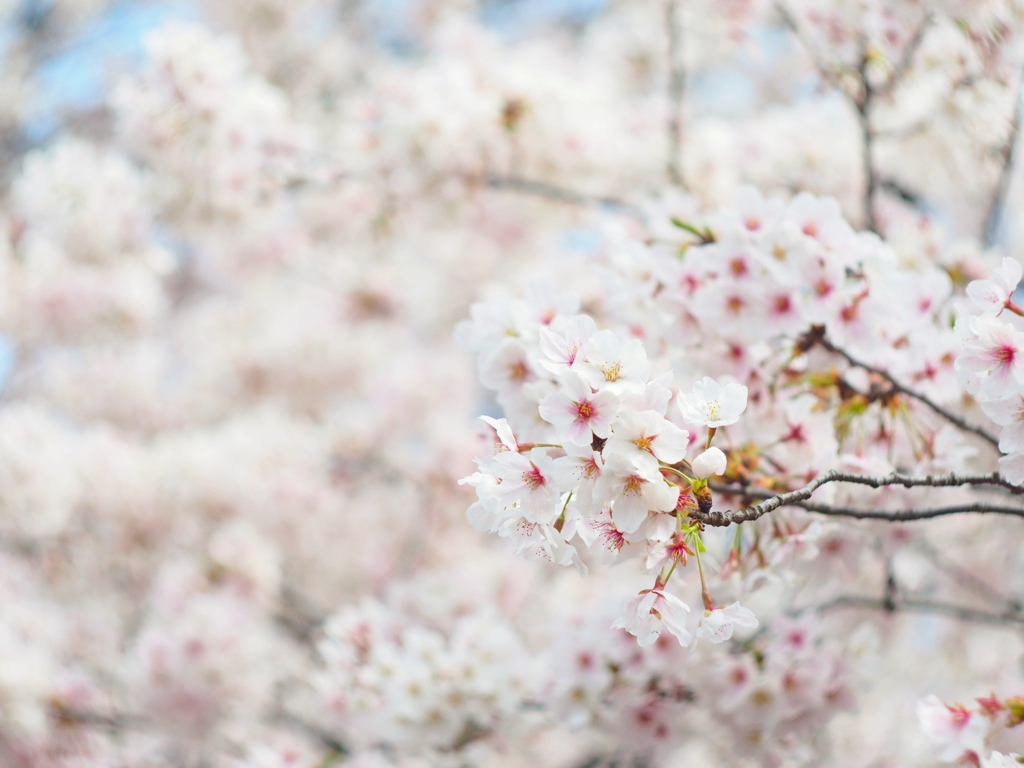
x=578, y=412
x=633, y=491
x=647, y=438
x=528, y=479
x=648, y=612
x=718, y=625
x=992, y=360
x=607, y=362
x=712, y=404
x=1008, y=413
x=1011, y=466
x=506, y=438
x=578, y=471
x=991, y=295
x=999, y=760
x=560, y=351
x=955, y=732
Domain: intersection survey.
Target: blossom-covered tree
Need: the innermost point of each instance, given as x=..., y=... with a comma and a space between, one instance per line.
x=732, y=284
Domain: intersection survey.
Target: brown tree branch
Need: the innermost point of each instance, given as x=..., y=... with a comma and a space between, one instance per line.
x=907, y=59
x=945, y=413
x=800, y=497
x=557, y=193
x=676, y=91
x=965, y=579
x=914, y=605
x=791, y=23
x=994, y=215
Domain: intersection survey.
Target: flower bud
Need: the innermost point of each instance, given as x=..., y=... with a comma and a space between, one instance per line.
x=711, y=462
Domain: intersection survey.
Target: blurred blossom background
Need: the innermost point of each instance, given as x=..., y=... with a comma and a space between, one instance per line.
x=236, y=240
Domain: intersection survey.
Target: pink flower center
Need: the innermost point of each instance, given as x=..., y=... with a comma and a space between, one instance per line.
x=534, y=478
x=1005, y=354
x=584, y=410
x=959, y=716
x=518, y=371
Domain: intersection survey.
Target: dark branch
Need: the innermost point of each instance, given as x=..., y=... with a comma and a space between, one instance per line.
x=907, y=59
x=800, y=497
x=913, y=605
x=997, y=203
x=560, y=194
x=789, y=20
x=945, y=413
x=907, y=196
x=326, y=739
x=965, y=579
x=107, y=721
x=862, y=103
x=676, y=91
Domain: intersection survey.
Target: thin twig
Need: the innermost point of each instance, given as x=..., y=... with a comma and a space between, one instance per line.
x=965, y=579
x=907, y=59
x=676, y=91
x=560, y=194
x=800, y=496
x=907, y=515
x=326, y=739
x=913, y=605
x=921, y=398
x=117, y=721
x=908, y=196
x=993, y=218
x=789, y=20
x=862, y=103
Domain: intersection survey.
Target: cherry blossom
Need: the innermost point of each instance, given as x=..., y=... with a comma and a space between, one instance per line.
x=992, y=295
x=955, y=732
x=528, y=481
x=633, y=491
x=646, y=438
x=255, y=287
x=718, y=625
x=713, y=405
x=579, y=412
x=646, y=614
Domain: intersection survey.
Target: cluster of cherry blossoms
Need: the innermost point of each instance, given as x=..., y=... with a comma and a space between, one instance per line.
x=990, y=365
x=432, y=681
x=233, y=416
x=619, y=484
x=962, y=734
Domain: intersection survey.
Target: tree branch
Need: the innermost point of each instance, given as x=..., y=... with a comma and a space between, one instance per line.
x=907, y=59
x=862, y=103
x=993, y=218
x=965, y=579
x=676, y=91
x=800, y=496
x=789, y=20
x=559, y=194
x=907, y=196
x=913, y=605
x=921, y=398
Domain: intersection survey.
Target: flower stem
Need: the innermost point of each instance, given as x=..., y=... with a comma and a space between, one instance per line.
x=709, y=604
